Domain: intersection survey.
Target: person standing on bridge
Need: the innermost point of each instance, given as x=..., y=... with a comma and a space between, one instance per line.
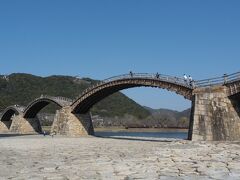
x=131, y=73
x=190, y=80
x=157, y=75
x=185, y=78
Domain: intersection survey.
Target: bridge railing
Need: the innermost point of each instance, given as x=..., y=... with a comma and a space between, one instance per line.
x=176, y=80
x=56, y=98
x=225, y=79
x=147, y=76
x=167, y=78
x=16, y=106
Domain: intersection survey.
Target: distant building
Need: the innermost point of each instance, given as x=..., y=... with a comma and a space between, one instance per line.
x=97, y=120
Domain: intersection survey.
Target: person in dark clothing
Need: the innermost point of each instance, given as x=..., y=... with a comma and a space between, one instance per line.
x=131, y=73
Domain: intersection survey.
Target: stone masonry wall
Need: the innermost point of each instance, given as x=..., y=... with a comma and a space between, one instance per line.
x=4, y=127
x=215, y=117
x=25, y=126
x=66, y=123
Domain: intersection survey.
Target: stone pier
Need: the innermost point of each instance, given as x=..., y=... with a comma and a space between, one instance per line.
x=23, y=125
x=4, y=126
x=67, y=123
x=215, y=116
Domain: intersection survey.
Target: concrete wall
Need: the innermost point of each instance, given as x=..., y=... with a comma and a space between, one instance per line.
x=215, y=116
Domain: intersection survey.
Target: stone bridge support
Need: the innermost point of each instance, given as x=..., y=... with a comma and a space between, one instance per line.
x=23, y=125
x=67, y=123
x=4, y=126
x=215, y=117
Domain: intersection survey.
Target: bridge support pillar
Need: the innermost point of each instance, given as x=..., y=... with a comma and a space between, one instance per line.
x=23, y=125
x=67, y=123
x=4, y=126
x=214, y=117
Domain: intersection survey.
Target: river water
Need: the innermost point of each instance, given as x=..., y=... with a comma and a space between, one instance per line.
x=175, y=135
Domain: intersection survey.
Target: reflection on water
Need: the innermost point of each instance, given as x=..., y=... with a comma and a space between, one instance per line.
x=176, y=135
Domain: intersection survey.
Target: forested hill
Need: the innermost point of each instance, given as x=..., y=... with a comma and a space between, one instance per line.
x=19, y=88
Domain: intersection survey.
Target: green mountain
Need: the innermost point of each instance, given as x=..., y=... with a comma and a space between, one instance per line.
x=19, y=88
x=170, y=118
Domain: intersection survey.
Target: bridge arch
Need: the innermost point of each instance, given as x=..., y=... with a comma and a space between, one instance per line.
x=9, y=112
x=100, y=91
x=38, y=104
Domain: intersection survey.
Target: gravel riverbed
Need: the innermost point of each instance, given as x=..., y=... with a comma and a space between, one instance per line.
x=62, y=158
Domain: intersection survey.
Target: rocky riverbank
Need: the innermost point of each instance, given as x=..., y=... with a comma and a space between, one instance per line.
x=39, y=157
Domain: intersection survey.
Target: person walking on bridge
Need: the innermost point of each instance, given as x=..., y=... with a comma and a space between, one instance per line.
x=190, y=80
x=131, y=73
x=185, y=78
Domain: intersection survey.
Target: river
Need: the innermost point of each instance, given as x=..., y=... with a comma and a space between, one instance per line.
x=176, y=134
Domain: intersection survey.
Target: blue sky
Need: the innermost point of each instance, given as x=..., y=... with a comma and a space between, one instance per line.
x=100, y=39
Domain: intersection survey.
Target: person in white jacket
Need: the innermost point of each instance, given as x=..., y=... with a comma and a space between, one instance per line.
x=185, y=78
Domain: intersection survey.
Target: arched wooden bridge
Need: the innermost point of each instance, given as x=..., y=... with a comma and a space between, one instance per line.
x=205, y=94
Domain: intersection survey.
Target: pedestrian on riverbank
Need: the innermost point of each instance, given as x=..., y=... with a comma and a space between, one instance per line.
x=53, y=133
